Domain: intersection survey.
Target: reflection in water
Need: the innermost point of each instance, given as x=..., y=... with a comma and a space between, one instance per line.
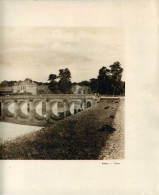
x=72, y=107
x=10, y=131
x=11, y=108
x=55, y=109
x=24, y=108
x=39, y=109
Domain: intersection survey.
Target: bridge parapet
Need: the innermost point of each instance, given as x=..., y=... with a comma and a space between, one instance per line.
x=50, y=96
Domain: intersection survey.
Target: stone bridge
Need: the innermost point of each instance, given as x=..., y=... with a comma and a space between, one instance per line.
x=42, y=109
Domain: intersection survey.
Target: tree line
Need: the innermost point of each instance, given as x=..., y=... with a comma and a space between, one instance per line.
x=107, y=82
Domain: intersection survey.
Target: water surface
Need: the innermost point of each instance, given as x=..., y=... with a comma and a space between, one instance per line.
x=9, y=131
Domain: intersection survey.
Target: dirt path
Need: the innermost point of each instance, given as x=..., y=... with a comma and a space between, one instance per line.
x=114, y=148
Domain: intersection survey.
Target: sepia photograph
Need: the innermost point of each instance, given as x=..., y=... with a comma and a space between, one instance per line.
x=62, y=93
x=79, y=97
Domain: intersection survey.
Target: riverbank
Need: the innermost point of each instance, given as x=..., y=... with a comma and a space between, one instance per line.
x=81, y=136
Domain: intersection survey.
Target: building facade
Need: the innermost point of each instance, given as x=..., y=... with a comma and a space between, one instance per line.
x=78, y=89
x=29, y=86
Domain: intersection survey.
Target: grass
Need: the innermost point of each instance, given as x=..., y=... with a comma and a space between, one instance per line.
x=77, y=137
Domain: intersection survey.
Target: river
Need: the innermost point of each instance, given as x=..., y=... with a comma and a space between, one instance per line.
x=9, y=131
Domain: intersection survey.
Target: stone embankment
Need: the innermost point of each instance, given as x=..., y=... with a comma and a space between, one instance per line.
x=114, y=146
x=83, y=136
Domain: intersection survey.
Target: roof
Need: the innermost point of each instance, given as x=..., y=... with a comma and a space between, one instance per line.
x=25, y=82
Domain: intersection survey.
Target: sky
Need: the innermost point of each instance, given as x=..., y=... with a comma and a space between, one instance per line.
x=39, y=38
x=36, y=52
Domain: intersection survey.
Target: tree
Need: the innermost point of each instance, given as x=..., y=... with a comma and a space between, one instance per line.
x=7, y=83
x=94, y=85
x=118, y=87
x=84, y=83
x=104, y=81
x=65, y=74
x=116, y=71
x=52, y=77
x=109, y=80
x=53, y=85
x=65, y=80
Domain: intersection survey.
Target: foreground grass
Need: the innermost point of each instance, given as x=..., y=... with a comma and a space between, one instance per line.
x=78, y=137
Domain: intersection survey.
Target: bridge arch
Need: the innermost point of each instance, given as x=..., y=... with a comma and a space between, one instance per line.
x=23, y=109
x=57, y=109
x=39, y=113
x=9, y=108
x=74, y=107
x=89, y=103
x=44, y=108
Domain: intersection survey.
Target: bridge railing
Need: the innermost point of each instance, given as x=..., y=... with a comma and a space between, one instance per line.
x=45, y=96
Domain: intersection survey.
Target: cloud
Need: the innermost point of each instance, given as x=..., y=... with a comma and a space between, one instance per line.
x=83, y=50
